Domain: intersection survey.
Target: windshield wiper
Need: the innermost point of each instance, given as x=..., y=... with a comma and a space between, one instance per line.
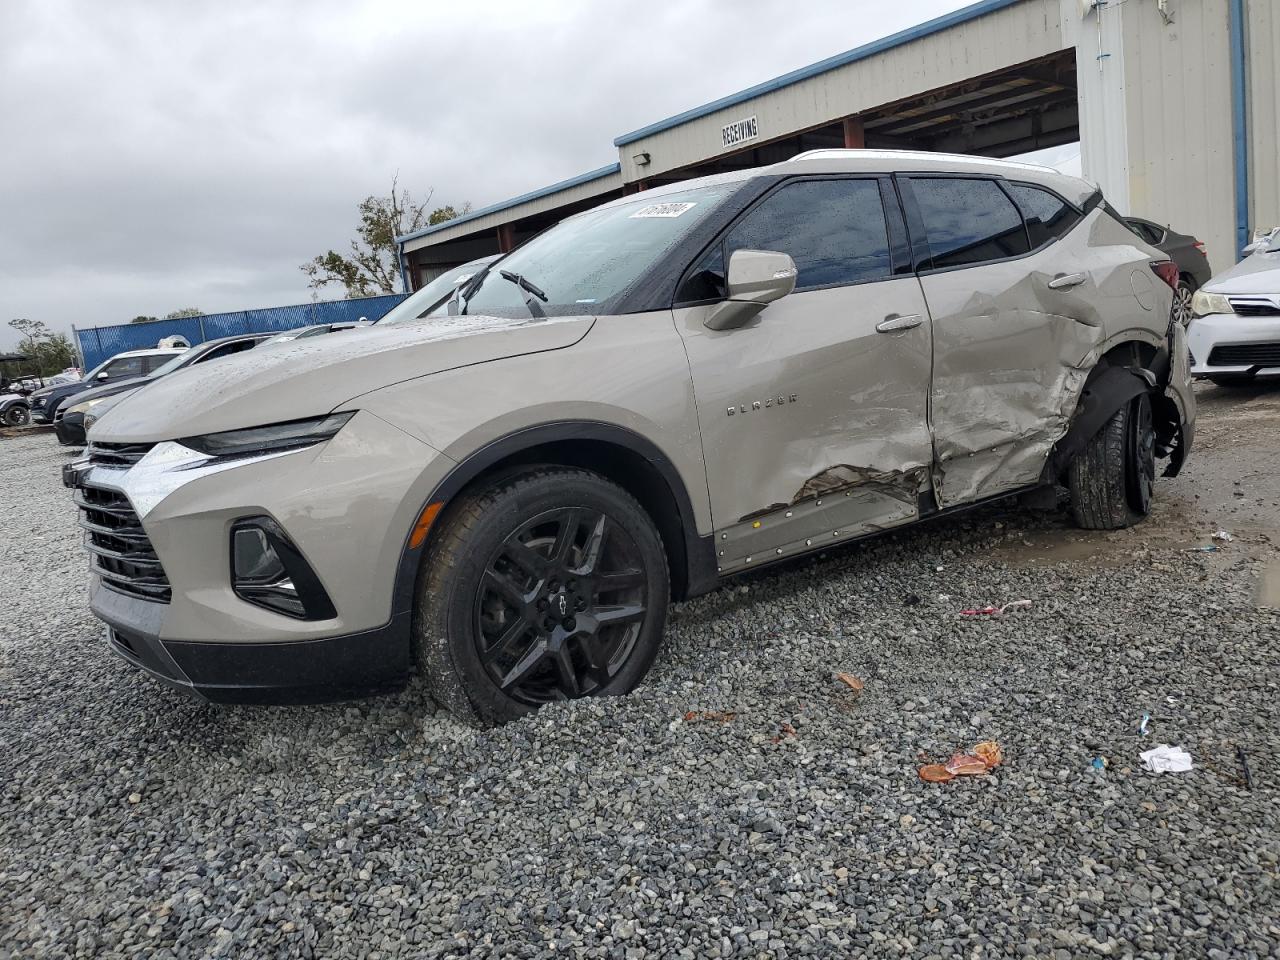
x=464, y=291
x=530, y=290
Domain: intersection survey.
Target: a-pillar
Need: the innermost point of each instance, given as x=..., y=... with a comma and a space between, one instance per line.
x=506, y=238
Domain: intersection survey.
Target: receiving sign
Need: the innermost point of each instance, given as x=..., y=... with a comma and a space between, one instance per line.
x=739, y=131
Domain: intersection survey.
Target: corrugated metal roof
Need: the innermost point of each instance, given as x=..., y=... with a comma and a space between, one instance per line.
x=936, y=25
x=516, y=201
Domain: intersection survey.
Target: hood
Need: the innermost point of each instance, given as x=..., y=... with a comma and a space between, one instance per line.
x=59, y=388
x=106, y=390
x=310, y=377
x=1256, y=273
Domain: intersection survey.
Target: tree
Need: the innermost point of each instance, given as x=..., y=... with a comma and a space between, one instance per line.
x=373, y=266
x=184, y=312
x=143, y=319
x=49, y=352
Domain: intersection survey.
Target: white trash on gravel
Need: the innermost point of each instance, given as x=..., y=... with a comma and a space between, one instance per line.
x=1166, y=759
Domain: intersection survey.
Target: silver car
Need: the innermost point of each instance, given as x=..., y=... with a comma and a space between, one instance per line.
x=654, y=395
x=1234, y=333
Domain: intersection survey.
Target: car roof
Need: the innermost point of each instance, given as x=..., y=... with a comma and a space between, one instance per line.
x=887, y=161
x=171, y=351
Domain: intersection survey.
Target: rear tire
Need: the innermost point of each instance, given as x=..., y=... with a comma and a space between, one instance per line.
x=1111, y=480
x=549, y=585
x=17, y=416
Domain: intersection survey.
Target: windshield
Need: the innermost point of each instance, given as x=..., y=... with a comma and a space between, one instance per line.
x=169, y=366
x=594, y=257
x=420, y=302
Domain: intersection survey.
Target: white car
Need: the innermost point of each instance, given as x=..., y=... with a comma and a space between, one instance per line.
x=1234, y=333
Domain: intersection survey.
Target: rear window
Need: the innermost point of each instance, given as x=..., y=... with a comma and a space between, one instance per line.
x=1048, y=216
x=968, y=221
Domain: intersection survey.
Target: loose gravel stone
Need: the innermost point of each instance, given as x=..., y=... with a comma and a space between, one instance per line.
x=136, y=822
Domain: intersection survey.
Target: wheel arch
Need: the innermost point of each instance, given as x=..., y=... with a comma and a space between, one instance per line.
x=1131, y=363
x=620, y=455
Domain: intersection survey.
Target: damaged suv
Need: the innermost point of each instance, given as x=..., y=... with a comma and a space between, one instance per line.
x=649, y=397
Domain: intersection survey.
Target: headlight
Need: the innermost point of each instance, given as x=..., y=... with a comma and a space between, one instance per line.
x=85, y=407
x=269, y=439
x=1203, y=304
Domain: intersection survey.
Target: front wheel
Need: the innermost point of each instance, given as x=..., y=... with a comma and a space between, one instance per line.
x=1182, y=300
x=1112, y=479
x=550, y=585
x=17, y=416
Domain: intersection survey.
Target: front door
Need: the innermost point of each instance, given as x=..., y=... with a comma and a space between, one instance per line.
x=814, y=416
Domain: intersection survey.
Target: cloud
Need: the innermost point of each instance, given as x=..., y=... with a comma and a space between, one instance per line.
x=167, y=155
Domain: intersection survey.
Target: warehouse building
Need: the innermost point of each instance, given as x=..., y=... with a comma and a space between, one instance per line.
x=1174, y=104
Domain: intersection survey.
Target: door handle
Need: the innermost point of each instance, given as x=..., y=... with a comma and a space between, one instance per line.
x=1066, y=281
x=893, y=323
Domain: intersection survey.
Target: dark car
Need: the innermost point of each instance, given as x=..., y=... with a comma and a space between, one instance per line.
x=1184, y=250
x=130, y=365
x=69, y=424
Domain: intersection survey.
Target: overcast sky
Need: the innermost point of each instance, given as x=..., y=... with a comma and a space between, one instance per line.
x=166, y=155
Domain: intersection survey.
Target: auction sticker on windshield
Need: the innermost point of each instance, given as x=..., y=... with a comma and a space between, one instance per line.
x=662, y=210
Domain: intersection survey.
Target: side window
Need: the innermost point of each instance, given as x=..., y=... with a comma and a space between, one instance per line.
x=833, y=229
x=968, y=221
x=1048, y=216
x=154, y=363
x=123, y=368
x=227, y=350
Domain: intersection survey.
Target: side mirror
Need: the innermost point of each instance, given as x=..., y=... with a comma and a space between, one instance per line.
x=756, y=279
x=103, y=376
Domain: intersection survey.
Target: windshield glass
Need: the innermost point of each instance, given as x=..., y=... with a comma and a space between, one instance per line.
x=171, y=365
x=589, y=259
x=420, y=302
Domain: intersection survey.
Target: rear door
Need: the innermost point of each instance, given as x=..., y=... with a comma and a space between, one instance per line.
x=814, y=416
x=1015, y=324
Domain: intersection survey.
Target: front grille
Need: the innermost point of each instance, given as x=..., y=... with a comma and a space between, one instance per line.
x=1246, y=354
x=1254, y=308
x=117, y=454
x=120, y=551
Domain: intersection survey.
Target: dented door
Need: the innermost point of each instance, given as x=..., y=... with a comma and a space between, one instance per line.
x=1015, y=333
x=814, y=416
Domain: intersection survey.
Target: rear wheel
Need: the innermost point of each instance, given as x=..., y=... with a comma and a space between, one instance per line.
x=17, y=416
x=551, y=585
x=1112, y=479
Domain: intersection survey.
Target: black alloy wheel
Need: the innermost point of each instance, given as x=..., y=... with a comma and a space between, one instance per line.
x=544, y=585
x=560, y=606
x=1142, y=455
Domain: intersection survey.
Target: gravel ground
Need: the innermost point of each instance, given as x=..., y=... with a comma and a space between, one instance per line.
x=133, y=821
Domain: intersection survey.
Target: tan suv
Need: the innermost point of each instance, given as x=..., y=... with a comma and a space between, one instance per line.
x=506, y=487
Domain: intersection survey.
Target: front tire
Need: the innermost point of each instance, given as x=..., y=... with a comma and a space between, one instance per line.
x=17, y=416
x=1182, y=300
x=550, y=585
x=1112, y=479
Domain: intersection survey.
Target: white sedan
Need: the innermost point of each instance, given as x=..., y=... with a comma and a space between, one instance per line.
x=1234, y=332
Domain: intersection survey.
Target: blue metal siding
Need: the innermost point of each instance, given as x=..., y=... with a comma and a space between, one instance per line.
x=963, y=15
x=99, y=343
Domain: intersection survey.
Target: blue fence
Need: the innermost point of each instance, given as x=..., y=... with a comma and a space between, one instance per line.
x=99, y=343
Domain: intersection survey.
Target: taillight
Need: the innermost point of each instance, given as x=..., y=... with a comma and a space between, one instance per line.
x=1167, y=271
x=1199, y=245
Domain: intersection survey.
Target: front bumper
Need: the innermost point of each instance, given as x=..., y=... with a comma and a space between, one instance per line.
x=1226, y=344
x=306, y=671
x=348, y=505
x=70, y=430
